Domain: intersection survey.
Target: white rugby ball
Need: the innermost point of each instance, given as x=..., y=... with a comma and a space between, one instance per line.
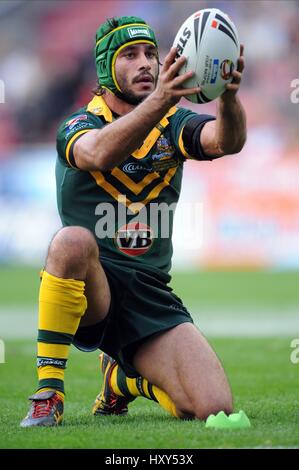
x=209, y=40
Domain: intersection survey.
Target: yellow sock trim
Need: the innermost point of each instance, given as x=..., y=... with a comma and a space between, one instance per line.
x=61, y=304
x=131, y=384
x=132, y=387
x=145, y=388
x=162, y=398
x=59, y=351
x=50, y=372
x=60, y=394
x=113, y=382
x=165, y=401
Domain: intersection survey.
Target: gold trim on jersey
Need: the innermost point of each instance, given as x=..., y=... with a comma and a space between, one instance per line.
x=109, y=188
x=181, y=145
x=68, y=147
x=99, y=107
x=154, y=135
x=154, y=193
x=136, y=188
x=118, y=196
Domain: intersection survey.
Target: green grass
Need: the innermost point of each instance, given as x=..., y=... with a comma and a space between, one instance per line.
x=264, y=382
x=19, y=287
x=233, y=289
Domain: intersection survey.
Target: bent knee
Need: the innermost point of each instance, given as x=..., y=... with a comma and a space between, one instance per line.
x=72, y=248
x=78, y=241
x=213, y=409
x=203, y=410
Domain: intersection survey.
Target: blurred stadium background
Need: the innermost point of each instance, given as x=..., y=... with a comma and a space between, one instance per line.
x=239, y=274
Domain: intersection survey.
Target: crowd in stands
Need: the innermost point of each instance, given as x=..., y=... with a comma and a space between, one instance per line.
x=47, y=64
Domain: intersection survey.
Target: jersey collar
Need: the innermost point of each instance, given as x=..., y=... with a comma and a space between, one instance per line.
x=99, y=107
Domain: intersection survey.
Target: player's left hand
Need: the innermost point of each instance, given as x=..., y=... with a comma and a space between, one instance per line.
x=233, y=87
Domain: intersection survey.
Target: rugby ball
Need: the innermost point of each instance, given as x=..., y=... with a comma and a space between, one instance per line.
x=209, y=40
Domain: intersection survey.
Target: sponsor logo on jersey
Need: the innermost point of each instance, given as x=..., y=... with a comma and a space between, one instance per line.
x=164, y=158
x=133, y=32
x=79, y=125
x=161, y=156
x=164, y=149
x=160, y=166
x=215, y=67
x=134, y=239
x=72, y=122
x=226, y=67
x=134, y=168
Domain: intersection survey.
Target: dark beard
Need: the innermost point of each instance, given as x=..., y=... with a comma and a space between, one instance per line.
x=130, y=98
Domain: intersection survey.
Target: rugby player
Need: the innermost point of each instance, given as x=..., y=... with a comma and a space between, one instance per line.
x=109, y=290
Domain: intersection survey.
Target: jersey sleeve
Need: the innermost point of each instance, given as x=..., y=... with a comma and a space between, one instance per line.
x=181, y=139
x=70, y=130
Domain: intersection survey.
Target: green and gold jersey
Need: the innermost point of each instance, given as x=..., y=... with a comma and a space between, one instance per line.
x=129, y=209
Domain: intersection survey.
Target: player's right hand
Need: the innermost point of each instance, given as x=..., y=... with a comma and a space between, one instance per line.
x=169, y=86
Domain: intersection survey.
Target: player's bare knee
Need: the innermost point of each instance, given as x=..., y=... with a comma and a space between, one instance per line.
x=71, y=250
x=203, y=411
x=79, y=242
x=183, y=406
x=185, y=415
x=200, y=406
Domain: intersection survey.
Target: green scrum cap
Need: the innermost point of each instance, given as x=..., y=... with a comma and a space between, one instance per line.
x=111, y=37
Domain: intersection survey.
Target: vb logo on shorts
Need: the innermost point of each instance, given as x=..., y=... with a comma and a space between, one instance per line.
x=134, y=239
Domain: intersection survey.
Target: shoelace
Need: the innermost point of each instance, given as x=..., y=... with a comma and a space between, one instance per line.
x=114, y=401
x=43, y=407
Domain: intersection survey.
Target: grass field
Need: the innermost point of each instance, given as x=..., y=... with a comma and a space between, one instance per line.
x=263, y=379
x=19, y=286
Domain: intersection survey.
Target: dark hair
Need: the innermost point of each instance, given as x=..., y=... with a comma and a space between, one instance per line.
x=98, y=90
